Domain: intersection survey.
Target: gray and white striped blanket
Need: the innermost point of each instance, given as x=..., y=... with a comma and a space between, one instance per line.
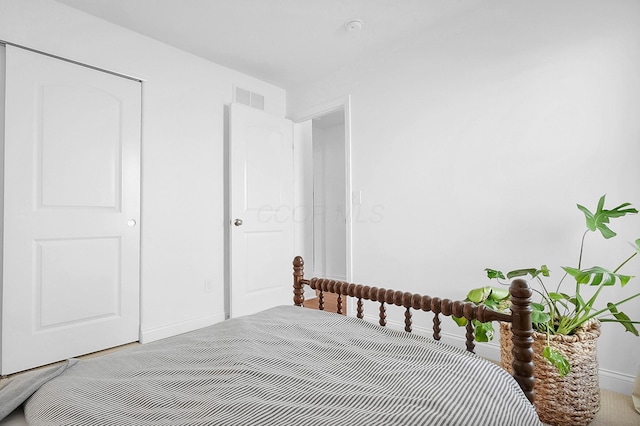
x=284, y=366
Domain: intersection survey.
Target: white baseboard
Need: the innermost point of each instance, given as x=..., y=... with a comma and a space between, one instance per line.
x=158, y=333
x=609, y=380
x=616, y=382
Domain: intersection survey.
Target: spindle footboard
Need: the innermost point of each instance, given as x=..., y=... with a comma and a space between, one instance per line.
x=520, y=316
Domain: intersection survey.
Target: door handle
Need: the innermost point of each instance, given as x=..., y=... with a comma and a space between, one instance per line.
x=237, y=222
x=131, y=223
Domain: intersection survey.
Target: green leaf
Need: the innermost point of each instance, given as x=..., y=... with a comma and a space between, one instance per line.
x=483, y=331
x=557, y=296
x=491, y=304
x=498, y=294
x=622, y=318
x=544, y=271
x=539, y=317
x=596, y=276
x=537, y=306
x=460, y=321
x=555, y=358
x=621, y=211
x=492, y=273
x=522, y=272
x=599, y=219
x=591, y=220
x=478, y=295
x=571, y=299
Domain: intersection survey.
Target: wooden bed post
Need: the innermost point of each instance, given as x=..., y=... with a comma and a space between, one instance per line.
x=522, y=332
x=298, y=274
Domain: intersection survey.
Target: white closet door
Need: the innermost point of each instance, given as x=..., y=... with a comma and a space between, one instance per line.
x=71, y=211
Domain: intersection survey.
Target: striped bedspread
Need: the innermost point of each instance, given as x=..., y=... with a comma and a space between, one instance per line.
x=284, y=366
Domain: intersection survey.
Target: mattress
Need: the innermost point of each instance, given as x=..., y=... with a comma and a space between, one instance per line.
x=284, y=366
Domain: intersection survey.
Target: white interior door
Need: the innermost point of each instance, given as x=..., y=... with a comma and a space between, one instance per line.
x=71, y=206
x=261, y=210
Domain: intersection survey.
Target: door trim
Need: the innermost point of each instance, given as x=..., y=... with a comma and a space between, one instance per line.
x=343, y=103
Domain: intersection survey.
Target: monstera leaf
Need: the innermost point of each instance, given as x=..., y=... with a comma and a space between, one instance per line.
x=597, y=276
x=600, y=219
x=622, y=318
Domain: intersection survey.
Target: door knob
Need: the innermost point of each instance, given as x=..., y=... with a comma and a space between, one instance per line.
x=237, y=222
x=131, y=223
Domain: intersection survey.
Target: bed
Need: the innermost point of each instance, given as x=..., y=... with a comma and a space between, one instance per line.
x=289, y=365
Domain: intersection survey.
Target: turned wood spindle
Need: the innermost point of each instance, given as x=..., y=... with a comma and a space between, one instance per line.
x=339, y=303
x=470, y=337
x=522, y=336
x=360, y=310
x=407, y=320
x=436, y=326
x=383, y=315
x=321, y=300
x=298, y=273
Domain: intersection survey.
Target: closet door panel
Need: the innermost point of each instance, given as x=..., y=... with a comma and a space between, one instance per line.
x=71, y=211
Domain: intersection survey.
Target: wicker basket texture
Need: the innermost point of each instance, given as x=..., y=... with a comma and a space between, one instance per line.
x=572, y=400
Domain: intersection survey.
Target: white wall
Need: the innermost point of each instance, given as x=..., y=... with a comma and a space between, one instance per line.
x=182, y=152
x=473, y=142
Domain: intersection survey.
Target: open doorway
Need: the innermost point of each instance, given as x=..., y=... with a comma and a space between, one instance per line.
x=324, y=192
x=329, y=196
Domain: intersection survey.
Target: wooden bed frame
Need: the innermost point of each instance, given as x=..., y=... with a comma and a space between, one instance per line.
x=520, y=317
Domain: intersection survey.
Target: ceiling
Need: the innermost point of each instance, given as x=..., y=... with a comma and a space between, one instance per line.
x=283, y=42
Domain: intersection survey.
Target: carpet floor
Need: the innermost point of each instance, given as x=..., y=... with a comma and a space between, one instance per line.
x=616, y=410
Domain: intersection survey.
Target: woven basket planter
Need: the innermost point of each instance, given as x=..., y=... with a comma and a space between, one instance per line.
x=572, y=400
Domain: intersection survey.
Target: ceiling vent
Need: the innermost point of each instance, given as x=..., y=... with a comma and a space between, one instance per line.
x=245, y=97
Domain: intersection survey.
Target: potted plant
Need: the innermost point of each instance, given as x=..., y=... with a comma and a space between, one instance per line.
x=566, y=325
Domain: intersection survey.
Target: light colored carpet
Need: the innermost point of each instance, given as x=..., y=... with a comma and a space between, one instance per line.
x=616, y=410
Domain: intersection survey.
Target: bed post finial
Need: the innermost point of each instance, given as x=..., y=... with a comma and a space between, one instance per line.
x=298, y=274
x=522, y=339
